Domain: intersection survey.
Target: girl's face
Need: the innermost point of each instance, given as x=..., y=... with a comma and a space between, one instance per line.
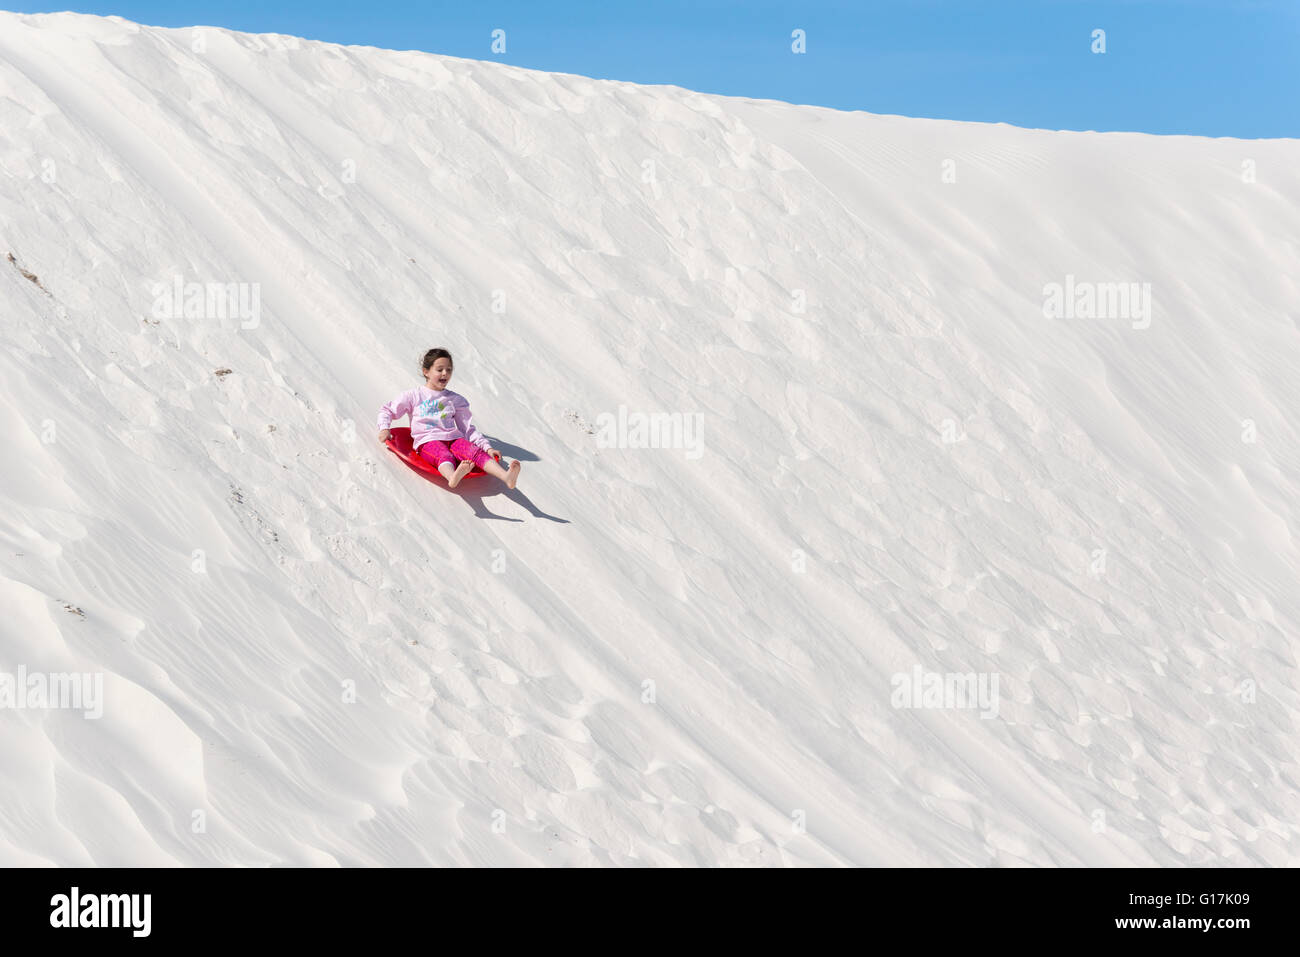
x=438, y=375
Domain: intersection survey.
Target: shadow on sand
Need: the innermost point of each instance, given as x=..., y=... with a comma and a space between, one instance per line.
x=476, y=488
x=512, y=451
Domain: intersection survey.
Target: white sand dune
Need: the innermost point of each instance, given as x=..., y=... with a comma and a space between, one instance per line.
x=309, y=655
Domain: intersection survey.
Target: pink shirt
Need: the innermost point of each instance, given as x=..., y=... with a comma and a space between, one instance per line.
x=434, y=415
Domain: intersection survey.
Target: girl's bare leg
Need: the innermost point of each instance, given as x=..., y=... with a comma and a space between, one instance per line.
x=463, y=469
x=510, y=476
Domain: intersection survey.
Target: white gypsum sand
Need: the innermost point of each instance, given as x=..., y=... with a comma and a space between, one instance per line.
x=911, y=466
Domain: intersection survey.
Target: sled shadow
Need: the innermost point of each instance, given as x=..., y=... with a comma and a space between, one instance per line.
x=475, y=490
x=477, y=487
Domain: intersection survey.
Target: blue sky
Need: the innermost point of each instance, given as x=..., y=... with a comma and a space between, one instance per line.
x=1208, y=67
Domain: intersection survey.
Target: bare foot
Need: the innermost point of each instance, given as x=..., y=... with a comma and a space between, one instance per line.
x=512, y=475
x=461, y=471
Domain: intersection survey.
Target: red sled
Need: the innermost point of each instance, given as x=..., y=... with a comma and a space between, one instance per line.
x=399, y=442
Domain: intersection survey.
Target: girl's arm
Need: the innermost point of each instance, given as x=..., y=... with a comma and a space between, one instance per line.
x=400, y=406
x=465, y=422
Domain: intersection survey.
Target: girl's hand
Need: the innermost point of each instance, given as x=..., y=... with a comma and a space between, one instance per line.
x=495, y=454
x=384, y=435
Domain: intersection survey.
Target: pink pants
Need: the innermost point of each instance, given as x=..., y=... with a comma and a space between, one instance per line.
x=435, y=452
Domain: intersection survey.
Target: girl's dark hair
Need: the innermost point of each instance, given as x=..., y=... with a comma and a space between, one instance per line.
x=432, y=356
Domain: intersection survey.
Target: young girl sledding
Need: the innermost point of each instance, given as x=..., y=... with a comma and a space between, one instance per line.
x=441, y=430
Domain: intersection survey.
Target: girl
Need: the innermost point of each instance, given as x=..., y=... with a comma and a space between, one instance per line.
x=441, y=430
